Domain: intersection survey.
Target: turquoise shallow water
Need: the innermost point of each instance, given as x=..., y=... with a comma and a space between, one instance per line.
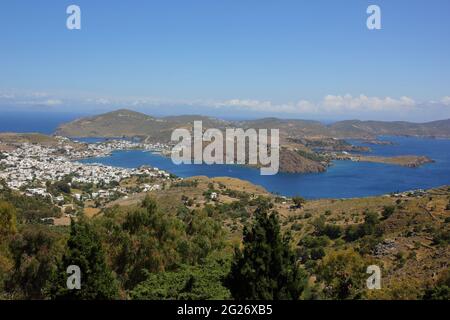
x=344, y=179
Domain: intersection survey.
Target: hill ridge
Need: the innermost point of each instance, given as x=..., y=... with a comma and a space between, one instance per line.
x=127, y=122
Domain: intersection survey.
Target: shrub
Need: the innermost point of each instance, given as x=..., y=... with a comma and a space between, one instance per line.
x=370, y=226
x=441, y=291
x=388, y=211
x=203, y=282
x=322, y=228
x=298, y=202
x=441, y=237
x=317, y=253
x=296, y=226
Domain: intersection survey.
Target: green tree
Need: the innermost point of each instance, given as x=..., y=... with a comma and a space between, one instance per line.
x=58, y=187
x=266, y=267
x=7, y=230
x=344, y=275
x=35, y=252
x=7, y=219
x=150, y=242
x=85, y=251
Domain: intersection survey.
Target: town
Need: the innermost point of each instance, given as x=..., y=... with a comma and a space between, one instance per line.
x=54, y=171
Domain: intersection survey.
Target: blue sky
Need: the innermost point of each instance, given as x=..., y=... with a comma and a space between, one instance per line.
x=244, y=58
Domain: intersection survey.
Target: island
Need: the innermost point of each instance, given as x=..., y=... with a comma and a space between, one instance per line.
x=306, y=146
x=405, y=161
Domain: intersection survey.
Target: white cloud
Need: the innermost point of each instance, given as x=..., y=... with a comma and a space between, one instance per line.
x=52, y=102
x=101, y=101
x=344, y=106
x=39, y=102
x=329, y=104
x=364, y=103
x=30, y=98
x=39, y=94
x=7, y=96
x=446, y=101
x=268, y=106
x=305, y=106
x=255, y=105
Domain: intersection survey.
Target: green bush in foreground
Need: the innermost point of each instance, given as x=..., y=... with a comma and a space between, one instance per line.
x=202, y=282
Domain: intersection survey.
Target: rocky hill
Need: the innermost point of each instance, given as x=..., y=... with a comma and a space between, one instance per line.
x=129, y=123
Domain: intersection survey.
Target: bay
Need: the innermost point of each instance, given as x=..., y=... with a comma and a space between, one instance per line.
x=344, y=179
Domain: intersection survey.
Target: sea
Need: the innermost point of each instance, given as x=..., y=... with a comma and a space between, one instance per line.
x=344, y=179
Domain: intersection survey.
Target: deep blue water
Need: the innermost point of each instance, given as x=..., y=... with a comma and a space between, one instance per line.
x=434, y=148
x=345, y=179
x=26, y=122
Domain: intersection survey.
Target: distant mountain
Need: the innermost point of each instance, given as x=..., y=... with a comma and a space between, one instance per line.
x=289, y=128
x=129, y=123
x=353, y=128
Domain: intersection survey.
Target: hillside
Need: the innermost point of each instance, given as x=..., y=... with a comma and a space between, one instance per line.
x=130, y=124
x=127, y=123
x=120, y=123
x=409, y=240
x=10, y=140
x=406, y=235
x=355, y=128
x=32, y=138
